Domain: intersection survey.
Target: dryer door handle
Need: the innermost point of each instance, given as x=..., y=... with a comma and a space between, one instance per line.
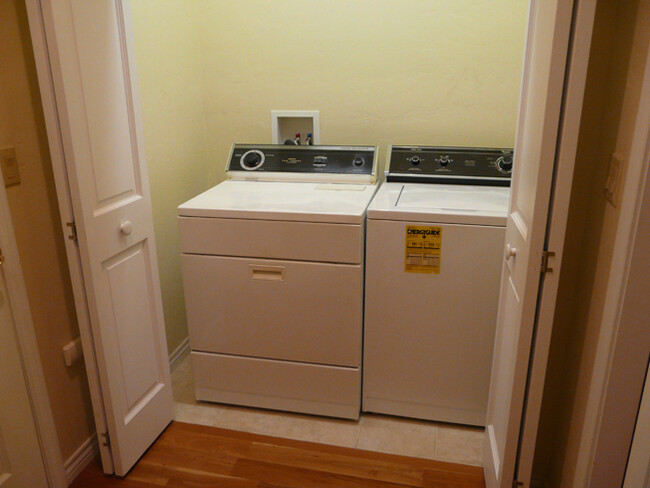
x=266, y=273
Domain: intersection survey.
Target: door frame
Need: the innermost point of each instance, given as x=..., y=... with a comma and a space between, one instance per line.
x=50, y=108
x=28, y=350
x=617, y=326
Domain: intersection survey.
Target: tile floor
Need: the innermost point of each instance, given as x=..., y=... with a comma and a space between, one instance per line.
x=381, y=433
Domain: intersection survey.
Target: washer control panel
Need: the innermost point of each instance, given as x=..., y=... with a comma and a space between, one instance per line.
x=278, y=158
x=456, y=165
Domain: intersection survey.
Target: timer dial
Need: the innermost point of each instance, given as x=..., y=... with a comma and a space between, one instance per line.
x=251, y=160
x=504, y=163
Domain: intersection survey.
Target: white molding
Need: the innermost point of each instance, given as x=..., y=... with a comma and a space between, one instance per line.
x=631, y=200
x=28, y=350
x=81, y=458
x=178, y=354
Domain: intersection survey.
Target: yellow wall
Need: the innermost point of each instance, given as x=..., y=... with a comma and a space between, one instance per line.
x=169, y=62
x=35, y=215
x=380, y=72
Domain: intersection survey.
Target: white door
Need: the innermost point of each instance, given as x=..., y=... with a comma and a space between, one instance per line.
x=91, y=53
x=542, y=87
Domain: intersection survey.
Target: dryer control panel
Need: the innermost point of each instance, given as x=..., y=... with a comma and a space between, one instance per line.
x=455, y=165
x=278, y=161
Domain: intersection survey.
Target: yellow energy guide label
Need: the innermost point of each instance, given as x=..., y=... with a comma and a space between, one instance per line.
x=422, y=249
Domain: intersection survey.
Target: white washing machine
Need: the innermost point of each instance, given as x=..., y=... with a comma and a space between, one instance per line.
x=435, y=235
x=273, y=271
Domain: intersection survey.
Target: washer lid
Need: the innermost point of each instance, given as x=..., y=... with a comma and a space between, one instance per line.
x=302, y=202
x=422, y=202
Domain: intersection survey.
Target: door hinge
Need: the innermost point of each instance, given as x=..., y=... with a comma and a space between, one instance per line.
x=545, y=267
x=517, y=484
x=107, y=440
x=73, y=231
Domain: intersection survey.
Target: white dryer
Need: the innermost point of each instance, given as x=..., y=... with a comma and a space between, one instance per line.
x=273, y=275
x=435, y=235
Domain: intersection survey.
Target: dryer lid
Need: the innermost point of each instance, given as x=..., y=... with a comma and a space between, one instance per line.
x=291, y=201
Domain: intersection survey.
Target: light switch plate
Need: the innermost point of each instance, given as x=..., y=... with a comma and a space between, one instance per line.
x=614, y=179
x=72, y=351
x=9, y=164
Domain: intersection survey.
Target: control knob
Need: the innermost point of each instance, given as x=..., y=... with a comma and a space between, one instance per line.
x=358, y=161
x=415, y=160
x=444, y=161
x=252, y=159
x=504, y=163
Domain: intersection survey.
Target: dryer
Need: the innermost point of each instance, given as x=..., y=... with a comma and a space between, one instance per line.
x=273, y=272
x=435, y=235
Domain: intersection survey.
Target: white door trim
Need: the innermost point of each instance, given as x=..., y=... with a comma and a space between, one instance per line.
x=57, y=154
x=28, y=349
x=636, y=184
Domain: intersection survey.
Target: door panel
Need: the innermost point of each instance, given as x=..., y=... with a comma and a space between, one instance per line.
x=90, y=49
x=134, y=319
x=106, y=100
x=534, y=160
x=506, y=338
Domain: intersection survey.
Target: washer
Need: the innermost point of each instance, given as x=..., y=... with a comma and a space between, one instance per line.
x=273, y=273
x=435, y=235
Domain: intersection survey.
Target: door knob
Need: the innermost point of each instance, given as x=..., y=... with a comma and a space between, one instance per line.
x=511, y=252
x=126, y=227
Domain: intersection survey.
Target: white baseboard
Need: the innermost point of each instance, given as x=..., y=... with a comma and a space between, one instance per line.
x=75, y=464
x=179, y=353
x=89, y=450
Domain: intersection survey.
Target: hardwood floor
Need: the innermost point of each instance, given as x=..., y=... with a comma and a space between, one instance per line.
x=188, y=455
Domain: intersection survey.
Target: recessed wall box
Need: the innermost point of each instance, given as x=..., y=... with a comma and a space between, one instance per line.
x=285, y=124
